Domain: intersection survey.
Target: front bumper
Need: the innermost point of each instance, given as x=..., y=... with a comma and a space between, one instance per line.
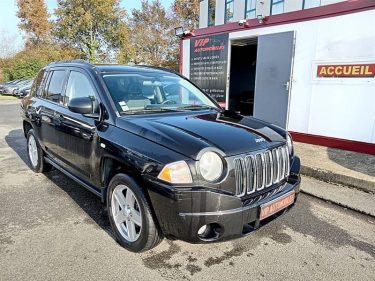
x=181, y=213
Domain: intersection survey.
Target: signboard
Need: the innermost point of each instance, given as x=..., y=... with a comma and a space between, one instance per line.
x=208, y=65
x=346, y=70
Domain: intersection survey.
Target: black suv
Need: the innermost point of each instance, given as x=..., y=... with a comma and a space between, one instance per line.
x=161, y=154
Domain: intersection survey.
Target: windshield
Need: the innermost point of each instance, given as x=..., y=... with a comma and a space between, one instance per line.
x=138, y=93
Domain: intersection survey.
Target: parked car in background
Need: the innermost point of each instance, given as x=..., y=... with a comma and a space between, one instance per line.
x=5, y=84
x=12, y=88
x=23, y=93
x=172, y=165
x=21, y=90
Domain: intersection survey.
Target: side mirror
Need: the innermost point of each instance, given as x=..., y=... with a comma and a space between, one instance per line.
x=81, y=105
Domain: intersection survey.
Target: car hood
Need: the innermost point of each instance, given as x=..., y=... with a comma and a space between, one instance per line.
x=189, y=132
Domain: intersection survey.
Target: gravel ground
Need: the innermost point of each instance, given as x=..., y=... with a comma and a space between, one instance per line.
x=53, y=229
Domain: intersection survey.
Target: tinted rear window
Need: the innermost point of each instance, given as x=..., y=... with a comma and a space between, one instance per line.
x=35, y=90
x=55, y=86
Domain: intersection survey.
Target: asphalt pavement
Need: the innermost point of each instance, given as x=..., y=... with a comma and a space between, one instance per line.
x=53, y=229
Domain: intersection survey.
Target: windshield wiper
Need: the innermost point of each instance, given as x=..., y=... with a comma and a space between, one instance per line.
x=197, y=106
x=149, y=110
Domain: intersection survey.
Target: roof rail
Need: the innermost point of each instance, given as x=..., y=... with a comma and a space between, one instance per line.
x=71, y=61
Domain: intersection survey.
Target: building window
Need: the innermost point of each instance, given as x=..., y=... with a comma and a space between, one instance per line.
x=307, y=4
x=211, y=12
x=250, y=9
x=229, y=9
x=277, y=7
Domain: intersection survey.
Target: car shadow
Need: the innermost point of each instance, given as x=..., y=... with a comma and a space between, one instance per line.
x=359, y=162
x=86, y=200
x=17, y=141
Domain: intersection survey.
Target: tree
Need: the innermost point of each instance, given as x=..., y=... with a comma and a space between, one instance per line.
x=186, y=13
x=152, y=35
x=33, y=15
x=29, y=61
x=96, y=27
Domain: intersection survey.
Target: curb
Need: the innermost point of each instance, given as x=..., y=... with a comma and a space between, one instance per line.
x=343, y=196
x=331, y=177
x=346, y=206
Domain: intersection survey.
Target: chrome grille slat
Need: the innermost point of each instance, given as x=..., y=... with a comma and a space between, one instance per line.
x=238, y=170
x=250, y=168
x=257, y=171
x=275, y=166
x=287, y=161
x=269, y=168
x=281, y=169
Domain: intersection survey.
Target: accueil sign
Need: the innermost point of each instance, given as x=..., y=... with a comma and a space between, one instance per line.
x=346, y=70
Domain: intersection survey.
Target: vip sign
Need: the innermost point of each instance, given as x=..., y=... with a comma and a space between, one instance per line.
x=346, y=70
x=208, y=65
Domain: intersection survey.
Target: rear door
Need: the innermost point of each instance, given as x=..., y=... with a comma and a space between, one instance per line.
x=273, y=77
x=50, y=99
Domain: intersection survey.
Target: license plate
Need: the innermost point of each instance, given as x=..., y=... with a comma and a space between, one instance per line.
x=270, y=208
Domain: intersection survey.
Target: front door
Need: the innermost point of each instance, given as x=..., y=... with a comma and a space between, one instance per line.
x=77, y=134
x=273, y=77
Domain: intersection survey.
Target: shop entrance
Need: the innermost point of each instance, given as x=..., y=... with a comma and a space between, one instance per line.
x=242, y=75
x=261, y=75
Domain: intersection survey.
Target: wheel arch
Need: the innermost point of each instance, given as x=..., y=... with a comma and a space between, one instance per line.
x=26, y=127
x=110, y=166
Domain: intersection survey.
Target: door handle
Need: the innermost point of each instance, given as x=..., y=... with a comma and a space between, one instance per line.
x=58, y=116
x=286, y=85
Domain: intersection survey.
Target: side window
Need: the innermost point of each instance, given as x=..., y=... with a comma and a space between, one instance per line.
x=79, y=86
x=55, y=86
x=37, y=83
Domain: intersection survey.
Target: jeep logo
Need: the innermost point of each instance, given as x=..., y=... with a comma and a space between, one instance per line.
x=259, y=140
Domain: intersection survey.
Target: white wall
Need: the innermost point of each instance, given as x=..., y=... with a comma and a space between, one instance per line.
x=292, y=5
x=219, y=12
x=186, y=58
x=328, y=2
x=335, y=107
x=203, y=14
x=263, y=7
x=239, y=10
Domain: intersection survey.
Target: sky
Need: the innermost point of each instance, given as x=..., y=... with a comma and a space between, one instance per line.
x=9, y=20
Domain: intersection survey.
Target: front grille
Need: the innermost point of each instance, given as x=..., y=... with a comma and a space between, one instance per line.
x=260, y=170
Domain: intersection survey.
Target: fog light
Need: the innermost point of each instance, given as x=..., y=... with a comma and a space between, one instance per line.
x=202, y=230
x=210, y=232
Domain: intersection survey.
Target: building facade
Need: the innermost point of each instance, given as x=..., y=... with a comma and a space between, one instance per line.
x=305, y=65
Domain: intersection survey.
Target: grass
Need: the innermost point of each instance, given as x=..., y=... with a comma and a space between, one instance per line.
x=4, y=97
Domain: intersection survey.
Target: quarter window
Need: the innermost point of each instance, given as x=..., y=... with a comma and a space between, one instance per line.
x=229, y=10
x=250, y=9
x=277, y=7
x=55, y=86
x=211, y=12
x=307, y=4
x=37, y=86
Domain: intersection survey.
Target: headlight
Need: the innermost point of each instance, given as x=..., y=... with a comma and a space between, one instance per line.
x=289, y=143
x=211, y=166
x=176, y=172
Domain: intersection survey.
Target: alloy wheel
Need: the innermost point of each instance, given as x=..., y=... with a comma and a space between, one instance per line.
x=126, y=213
x=33, y=151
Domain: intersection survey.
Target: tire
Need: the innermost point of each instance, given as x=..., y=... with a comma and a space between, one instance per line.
x=35, y=154
x=136, y=216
